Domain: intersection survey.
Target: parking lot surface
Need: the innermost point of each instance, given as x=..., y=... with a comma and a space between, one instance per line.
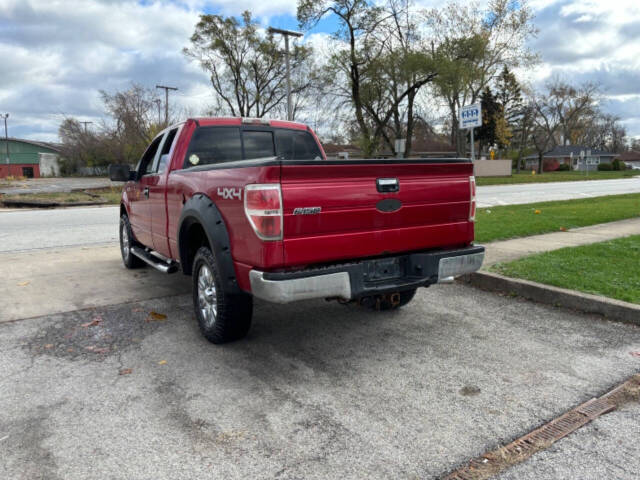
x=606, y=448
x=318, y=390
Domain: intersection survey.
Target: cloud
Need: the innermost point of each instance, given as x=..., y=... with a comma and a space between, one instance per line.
x=591, y=41
x=57, y=55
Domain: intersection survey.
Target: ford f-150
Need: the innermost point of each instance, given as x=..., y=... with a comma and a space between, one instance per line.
x=253, y=208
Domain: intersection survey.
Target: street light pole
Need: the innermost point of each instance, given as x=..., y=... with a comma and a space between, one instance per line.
x=6, y=135
x=287, y=34
x=166, y=102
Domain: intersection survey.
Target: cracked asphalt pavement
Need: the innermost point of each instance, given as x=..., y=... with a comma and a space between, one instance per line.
x=317, y=390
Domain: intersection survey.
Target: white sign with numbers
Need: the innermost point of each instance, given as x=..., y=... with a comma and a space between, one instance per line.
x=471, y=116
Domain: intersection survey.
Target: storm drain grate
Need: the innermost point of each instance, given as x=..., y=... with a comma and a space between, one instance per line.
x=524, y=447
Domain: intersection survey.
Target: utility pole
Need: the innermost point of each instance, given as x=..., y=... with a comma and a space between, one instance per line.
x=287, y=34
x=6, y=135
x=166, y=102
x=85, y=125
x=158, y=103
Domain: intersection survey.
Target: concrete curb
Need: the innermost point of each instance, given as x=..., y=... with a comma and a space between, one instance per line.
x=45, y=204
x=559, y=297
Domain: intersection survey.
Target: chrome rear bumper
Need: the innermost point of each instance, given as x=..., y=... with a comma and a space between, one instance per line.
x=365, y=278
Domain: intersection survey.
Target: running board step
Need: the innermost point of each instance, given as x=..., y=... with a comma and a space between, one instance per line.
x=155, y=262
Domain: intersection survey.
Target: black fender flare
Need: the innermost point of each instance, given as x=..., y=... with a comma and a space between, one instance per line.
x=200, y=209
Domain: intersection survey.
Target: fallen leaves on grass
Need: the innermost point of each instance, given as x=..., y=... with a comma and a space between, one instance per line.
x=125, y=371
x=537, y=212
x=563, y=229
x=155, y=317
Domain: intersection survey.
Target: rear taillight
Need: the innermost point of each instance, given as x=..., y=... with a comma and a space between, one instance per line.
x=472, y=206
x=263, y=207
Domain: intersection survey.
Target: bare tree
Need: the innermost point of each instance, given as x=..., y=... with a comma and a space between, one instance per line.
x=574, y=107
x=246, y=68
x=380, y=68
x=547, y=122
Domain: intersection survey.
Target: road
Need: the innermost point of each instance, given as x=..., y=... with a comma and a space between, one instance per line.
x=22, y=230
x=25, y=230
x=490, y=196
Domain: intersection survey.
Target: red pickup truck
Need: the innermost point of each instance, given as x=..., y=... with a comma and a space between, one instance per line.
x=253, y=208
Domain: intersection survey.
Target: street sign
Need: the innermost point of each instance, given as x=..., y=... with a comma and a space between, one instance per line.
x=471, y=116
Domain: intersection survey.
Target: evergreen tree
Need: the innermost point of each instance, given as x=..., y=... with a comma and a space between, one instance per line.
x=509, y=95
x=491, y=110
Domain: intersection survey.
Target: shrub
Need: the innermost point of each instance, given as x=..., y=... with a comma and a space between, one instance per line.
x=617, y=165
x=604, y=167
x=563, y=167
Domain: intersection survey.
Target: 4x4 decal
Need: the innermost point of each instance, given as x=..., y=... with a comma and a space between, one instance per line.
x=229, y=193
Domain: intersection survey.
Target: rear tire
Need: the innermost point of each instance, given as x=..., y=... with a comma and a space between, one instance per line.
x=126, y=242
x=223, y=316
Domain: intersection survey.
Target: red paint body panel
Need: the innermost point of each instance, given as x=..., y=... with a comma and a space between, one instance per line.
x=434, y=196
x=435, y=208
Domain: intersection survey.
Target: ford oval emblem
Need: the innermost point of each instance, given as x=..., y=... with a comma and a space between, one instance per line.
x=389, y=205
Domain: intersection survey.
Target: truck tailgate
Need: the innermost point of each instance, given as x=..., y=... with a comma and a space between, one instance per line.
x=334, y=210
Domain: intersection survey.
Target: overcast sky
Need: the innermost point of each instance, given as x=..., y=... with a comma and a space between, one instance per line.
x=56, y=54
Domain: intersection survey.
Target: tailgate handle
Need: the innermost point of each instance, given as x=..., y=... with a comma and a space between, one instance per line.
x=385, y=185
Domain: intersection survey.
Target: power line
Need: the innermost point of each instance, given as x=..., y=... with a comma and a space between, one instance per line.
x=85, y=125
x=166, y=101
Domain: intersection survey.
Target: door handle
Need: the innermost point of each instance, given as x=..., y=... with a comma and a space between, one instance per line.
x=146, y=192
x=385, y=185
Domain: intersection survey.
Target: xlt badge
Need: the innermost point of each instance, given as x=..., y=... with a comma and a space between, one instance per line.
x=307, y=210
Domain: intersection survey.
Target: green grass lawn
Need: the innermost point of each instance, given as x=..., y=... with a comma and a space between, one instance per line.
x=500, y=223
x=526, y=177
x=609, y=268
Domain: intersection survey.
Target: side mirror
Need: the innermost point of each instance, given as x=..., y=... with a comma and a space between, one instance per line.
x=120, y=173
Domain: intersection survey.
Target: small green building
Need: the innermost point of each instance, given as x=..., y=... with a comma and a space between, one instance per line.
x=28, y=158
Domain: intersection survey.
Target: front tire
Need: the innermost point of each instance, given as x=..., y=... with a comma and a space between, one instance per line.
x=223, y=316
x=126, y=242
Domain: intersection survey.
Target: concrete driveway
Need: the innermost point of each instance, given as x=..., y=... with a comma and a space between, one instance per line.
x=317, y=390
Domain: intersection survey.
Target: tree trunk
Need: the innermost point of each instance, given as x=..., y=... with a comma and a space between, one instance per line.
x=410, y=123
x=540, y=163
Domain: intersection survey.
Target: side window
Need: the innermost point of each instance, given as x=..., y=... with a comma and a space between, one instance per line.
x=213, y=145
x=146, y=162
x=296, y=145
x=258, y=144
x=163, y=159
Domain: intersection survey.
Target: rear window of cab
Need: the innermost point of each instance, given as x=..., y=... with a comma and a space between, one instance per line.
x=213, y=145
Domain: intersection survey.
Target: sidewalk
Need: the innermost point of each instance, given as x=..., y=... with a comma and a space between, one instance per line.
x=508, y=250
